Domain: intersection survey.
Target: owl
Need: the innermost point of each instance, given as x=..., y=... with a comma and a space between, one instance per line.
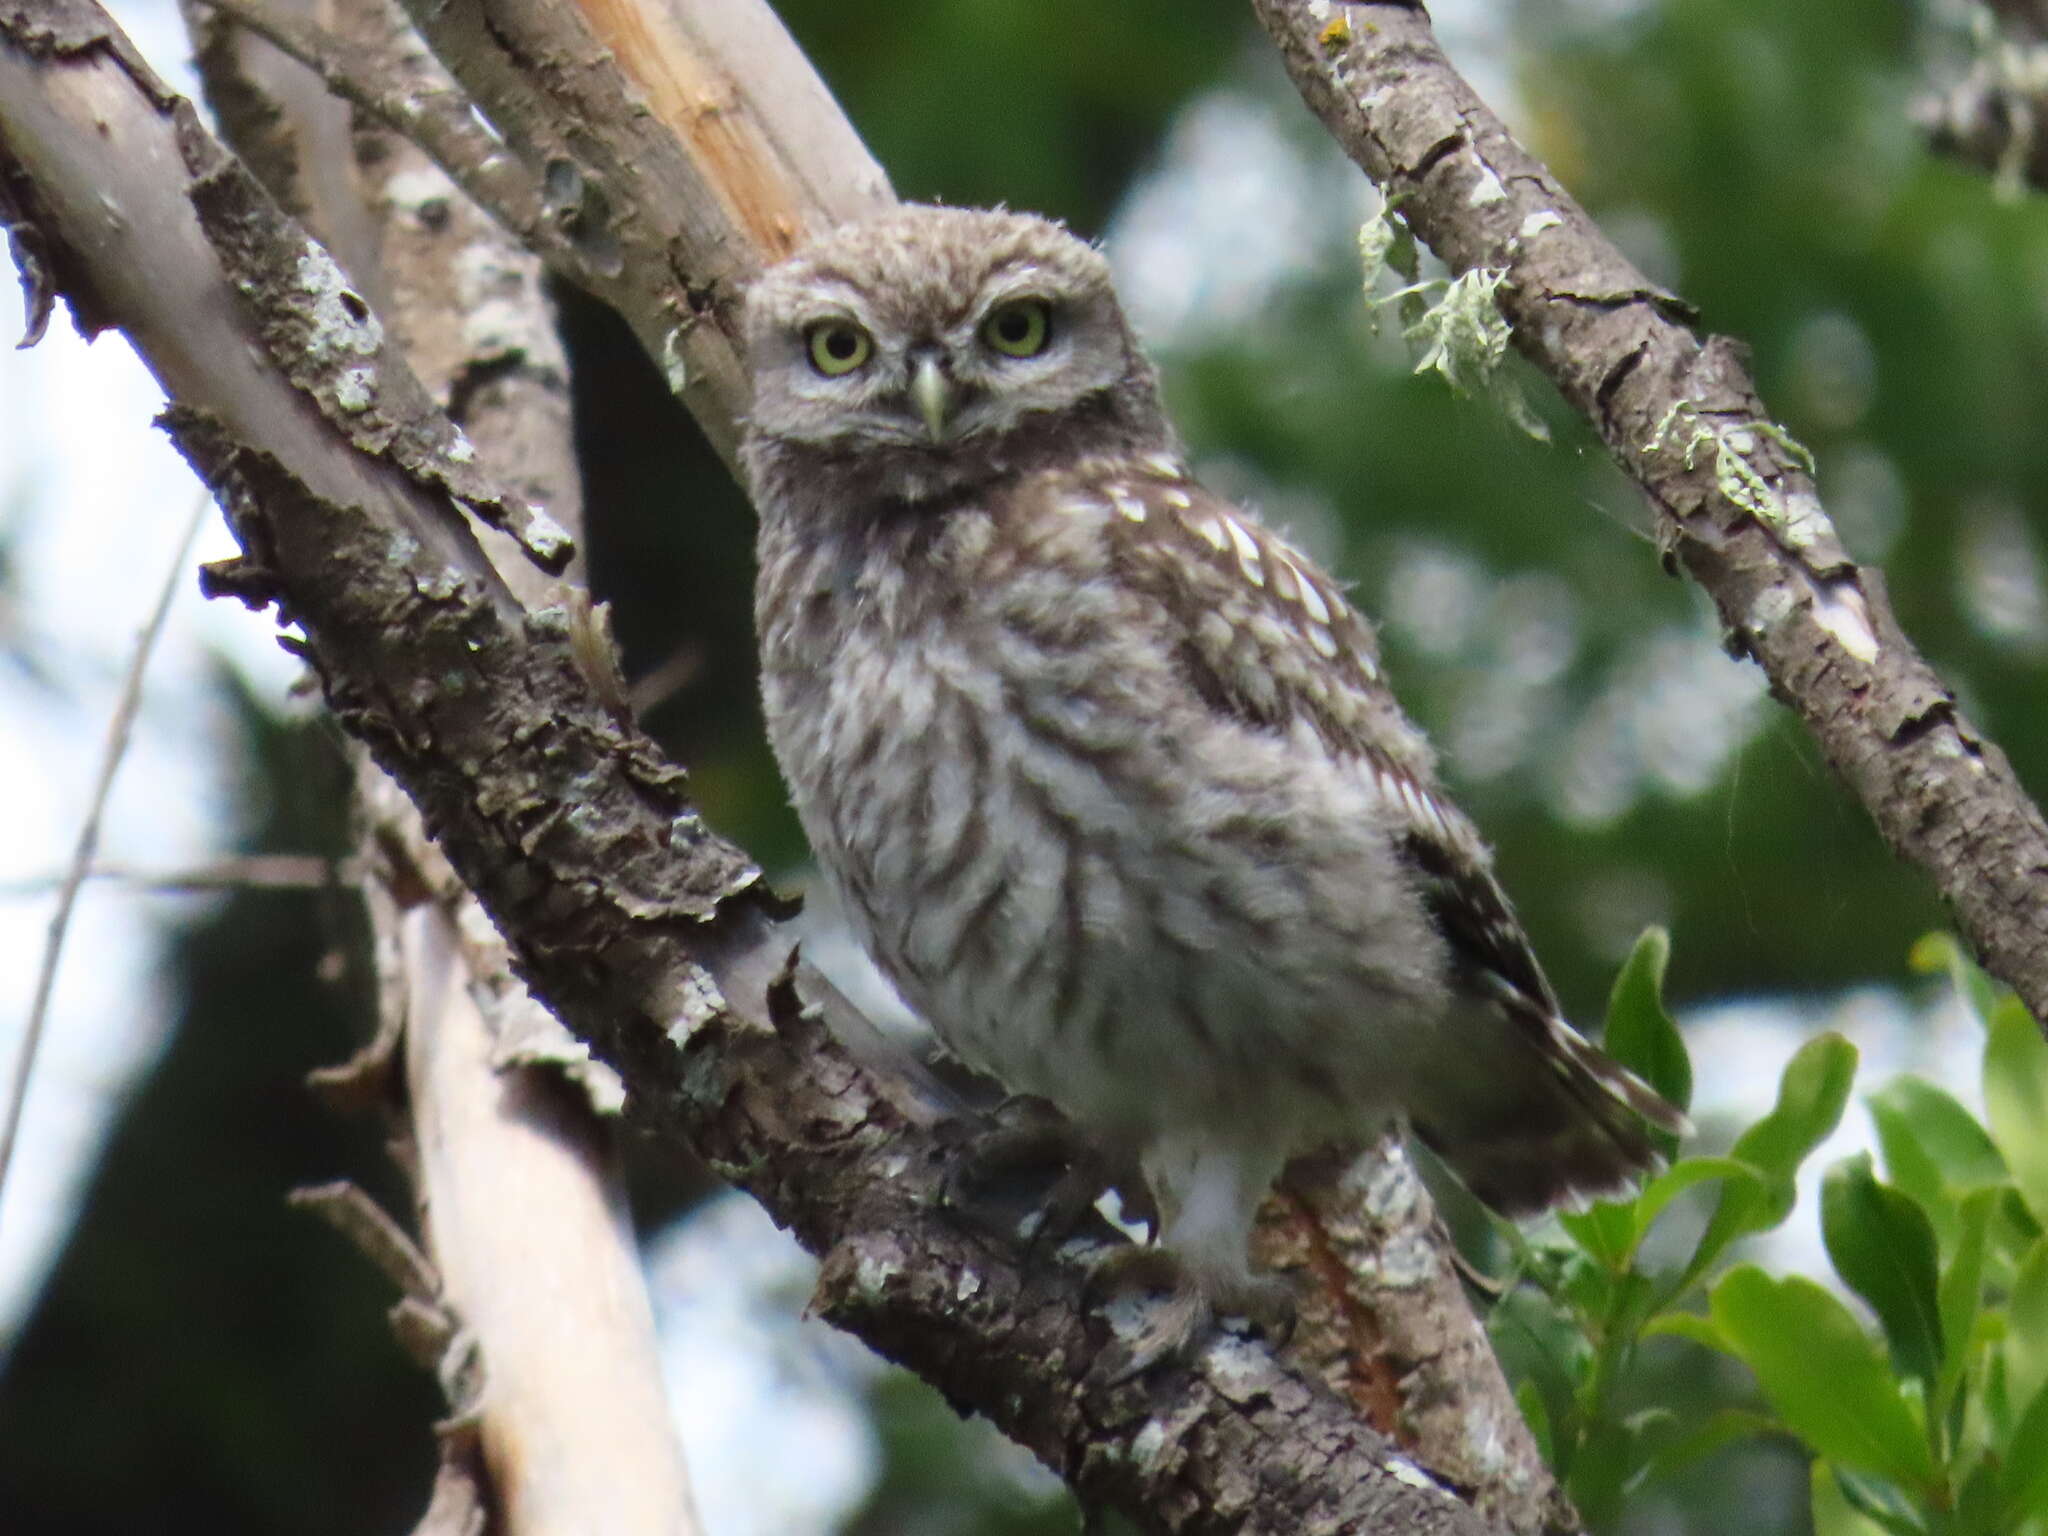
x=1107, y=774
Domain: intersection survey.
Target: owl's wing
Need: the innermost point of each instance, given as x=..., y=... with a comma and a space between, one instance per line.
x=1271, y=641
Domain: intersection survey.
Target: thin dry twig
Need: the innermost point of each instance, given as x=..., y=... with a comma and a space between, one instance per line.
x=244, y=872
x=118, y=731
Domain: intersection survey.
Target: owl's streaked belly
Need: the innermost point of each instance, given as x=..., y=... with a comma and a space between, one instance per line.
x=1150, y=918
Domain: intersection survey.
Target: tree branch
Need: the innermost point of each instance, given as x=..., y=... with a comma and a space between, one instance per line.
x=683, y=147
x=1682, y=418
x=530, y=1305
x=426, y=111
x=656, y=940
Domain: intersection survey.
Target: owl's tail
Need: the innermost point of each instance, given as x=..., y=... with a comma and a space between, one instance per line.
x=1553, y=1121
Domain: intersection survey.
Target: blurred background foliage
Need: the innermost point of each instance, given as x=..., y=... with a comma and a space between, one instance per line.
x=1756, y=157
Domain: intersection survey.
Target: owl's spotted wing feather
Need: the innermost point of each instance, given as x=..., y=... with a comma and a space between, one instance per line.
x=1270, y=640
x=1273, y=642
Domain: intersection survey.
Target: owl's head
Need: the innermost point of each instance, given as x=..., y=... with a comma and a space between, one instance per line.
x=937, y=347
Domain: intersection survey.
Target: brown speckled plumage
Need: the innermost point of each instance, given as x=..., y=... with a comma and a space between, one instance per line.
x=1107, y=773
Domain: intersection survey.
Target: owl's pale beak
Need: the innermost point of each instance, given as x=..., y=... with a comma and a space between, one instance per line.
x=932, y=395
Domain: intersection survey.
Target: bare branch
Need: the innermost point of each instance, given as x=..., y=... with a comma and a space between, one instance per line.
x=430, y=113
x=538, y=1324
x=243, y=872
x=1682, y=418
x=116, y=748
x=683, y=146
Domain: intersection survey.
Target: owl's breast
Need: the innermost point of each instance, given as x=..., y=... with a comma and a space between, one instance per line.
x=1066, y=859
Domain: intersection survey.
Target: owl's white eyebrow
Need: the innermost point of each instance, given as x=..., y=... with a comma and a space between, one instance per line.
x=1009, y=283
x=835, y=301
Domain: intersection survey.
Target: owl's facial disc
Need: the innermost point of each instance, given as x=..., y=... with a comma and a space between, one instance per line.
x=937, y=347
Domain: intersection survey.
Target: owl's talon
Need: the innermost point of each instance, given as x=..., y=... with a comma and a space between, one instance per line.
x=1185, y=1312
x=1024, y=1134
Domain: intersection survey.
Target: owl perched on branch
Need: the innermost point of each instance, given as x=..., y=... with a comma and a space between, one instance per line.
x=1107, y=773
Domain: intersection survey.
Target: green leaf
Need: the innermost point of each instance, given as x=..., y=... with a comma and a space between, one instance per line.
x=1879, y=1502
x=1833, y=1514
x=1979, y=1508
x=1529, y=1398
x=2026, y=1318
x=1979, y=1505
x=1703, y=1440
x=1606, y=1231
x=2016, y=1098
x=1695, y=1326
x=1640, y=1034
x=1678, y=1178
x=1962, y=1293
x=1934, y=1149
x=2013, y=1230
x=1600, y=1471
x=1883, y=1247
x=1811, y=1094
x=1822, y=1373
x=2023, y=1481
x=1948, y=1133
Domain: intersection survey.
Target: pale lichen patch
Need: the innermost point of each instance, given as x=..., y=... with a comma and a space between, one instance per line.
x=675, y=368
x=545, y=539
x=1839, y=609
x=1405, y=1471
x=1150, y=1445
x=339, y=321
x=355, y=389
x=872, y=1272
x=693, y=999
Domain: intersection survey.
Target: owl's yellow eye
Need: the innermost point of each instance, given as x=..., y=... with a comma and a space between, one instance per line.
x=838, y=347
x=1020, y=328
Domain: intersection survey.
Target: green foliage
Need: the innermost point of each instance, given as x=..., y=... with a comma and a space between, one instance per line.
x=1932, y=1422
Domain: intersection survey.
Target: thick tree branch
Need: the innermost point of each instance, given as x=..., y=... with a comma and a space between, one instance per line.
x=410, y=100
x=653, y=938
x=682, y=145
x=531, y=1307
x=1682, y=418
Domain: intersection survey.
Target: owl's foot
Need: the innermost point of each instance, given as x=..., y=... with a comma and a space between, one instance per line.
x=1027, y=1168
x=1172, y=1309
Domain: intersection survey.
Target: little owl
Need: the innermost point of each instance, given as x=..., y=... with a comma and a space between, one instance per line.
x=1107, y=773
